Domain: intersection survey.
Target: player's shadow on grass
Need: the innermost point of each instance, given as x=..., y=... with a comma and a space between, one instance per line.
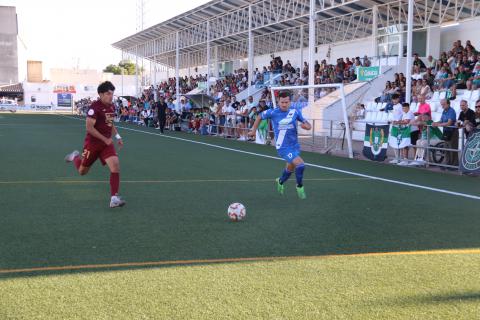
x=459, y=297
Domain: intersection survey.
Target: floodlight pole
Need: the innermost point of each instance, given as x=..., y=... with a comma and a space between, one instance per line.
x=177, y=70
x=408, y=72
x=311, y=52
x=250, y=50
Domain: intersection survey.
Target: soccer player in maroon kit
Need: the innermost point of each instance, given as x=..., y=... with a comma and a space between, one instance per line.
x=99, y=143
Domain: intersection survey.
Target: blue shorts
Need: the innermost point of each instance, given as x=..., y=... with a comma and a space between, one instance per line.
x=288, y=154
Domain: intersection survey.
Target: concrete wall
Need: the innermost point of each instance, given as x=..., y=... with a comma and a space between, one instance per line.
x=8, y=45
x=464, y=31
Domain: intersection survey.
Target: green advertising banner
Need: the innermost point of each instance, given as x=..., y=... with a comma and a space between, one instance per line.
x=367, y=73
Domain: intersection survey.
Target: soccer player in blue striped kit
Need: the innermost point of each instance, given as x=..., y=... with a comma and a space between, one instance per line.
x=284, y=119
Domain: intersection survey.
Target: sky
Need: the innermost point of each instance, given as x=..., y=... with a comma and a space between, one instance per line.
x=70, y=34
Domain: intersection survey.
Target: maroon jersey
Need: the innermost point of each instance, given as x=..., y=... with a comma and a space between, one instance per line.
x=104, y=115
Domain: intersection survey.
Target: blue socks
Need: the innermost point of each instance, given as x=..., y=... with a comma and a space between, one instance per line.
x=285, y=175
x=299, y=174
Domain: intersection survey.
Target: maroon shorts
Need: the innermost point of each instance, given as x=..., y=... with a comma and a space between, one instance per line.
x=91, y=152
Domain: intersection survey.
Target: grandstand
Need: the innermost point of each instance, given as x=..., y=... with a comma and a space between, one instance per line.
x=242, y=48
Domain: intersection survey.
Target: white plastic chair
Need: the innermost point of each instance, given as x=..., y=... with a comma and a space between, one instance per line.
x=475, y=95
x=466, y=95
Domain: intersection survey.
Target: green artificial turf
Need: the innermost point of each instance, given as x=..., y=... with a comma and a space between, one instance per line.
x=178, y=193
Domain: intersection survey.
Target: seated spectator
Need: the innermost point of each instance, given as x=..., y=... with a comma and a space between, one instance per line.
x=417, y=62
x=425, y=89
x=428, y=136
x=475, y=77
x=417, y=73
x=461, y=77
x=466, y=117
x=431, y=63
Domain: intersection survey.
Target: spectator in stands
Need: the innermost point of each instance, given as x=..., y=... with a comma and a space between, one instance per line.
x=431, y=63
x=450, y=134
x=417, y=62
x=451, y=94
x=396, y=80
x=222, y=109
x=430, y=77
x=461, y=77
x=444, y=78
x=230, y=119
x=406, y=118
x=423, y=107
x=387, y=92
x=477, y=115
x=425, y=89
x=242, y=120
x=366, y=62
x=171, y=119
x=475, y=77
x=428, y=135
x=466, y=117
x=416, y=89
x=417, y=73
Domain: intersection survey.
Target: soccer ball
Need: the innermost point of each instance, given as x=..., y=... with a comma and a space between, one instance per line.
x=236, y=212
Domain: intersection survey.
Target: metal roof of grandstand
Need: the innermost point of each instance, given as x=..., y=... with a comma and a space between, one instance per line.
x=276, y=26
x=12, y=88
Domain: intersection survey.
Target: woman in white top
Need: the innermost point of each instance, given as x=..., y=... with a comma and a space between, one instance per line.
x=425, y=90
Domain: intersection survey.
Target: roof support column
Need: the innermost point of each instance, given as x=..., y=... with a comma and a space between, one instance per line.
x=136, y=72
x=302, y=41
x=208, y=54
x=375, y=31
x=408, y=72
x=177, y=70
x=215, y=69
x=250, y=50
x=311, y=52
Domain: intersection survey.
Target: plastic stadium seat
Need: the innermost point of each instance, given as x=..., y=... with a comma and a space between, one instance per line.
x=384, y=117
x=466, y=95
x=390, y=116
x=369, y=116
x=435, y=96
x=471, y=104
x=456, y=106
x=475, y=95
x=434, y=106
x=442, y=95
x=414, y=107
x=381, y=106
x=370, y=106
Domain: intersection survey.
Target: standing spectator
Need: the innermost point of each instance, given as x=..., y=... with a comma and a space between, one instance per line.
x=161, y=108
x=366, y=62
x=406, y=119
x=450, y=134
x=423, y=107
